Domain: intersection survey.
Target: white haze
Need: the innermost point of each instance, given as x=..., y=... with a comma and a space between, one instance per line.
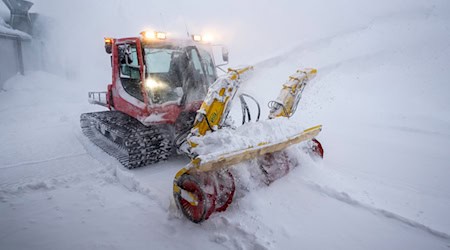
x=382, y=95
x=253, y=30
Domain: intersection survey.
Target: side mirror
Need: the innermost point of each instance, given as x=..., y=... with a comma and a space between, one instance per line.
x=225, y=54
x=220, y=54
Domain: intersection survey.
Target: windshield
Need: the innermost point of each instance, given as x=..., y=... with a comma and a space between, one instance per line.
x=173, y=73
x=158, y=60
x=163, y=75
x=209, y=65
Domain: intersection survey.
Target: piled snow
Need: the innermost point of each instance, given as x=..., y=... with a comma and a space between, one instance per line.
x=248, y=135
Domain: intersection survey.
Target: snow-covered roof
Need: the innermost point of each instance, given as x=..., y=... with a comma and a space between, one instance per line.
x=5, y=29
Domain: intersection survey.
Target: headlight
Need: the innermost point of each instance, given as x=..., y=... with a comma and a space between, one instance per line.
x=197, y=38
x=148, y=34
x=207, y=38
x=153, y=85
x=161, y=35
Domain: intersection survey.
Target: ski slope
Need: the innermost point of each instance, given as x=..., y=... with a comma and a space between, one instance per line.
x=381, y=93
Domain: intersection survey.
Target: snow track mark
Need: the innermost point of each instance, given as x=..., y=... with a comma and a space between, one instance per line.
x=234, y=235
x=344, y=197
x=21, y=164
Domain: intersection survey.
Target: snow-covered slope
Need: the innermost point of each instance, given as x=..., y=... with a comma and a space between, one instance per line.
x=381, y=93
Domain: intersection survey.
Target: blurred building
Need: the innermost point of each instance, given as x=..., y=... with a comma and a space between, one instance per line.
x=20, y=46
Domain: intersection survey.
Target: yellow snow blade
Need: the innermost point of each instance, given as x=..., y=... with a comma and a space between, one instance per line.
x=286, y=103
x=236, y=157
x=216, y=105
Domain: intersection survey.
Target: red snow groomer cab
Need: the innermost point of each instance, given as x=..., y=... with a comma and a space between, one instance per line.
x=157, y=86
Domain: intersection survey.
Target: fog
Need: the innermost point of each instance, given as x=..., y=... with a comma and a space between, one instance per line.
x=381, y=94
x=253, y=30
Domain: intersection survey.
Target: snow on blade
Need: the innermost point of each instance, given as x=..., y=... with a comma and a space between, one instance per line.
x=248, y=135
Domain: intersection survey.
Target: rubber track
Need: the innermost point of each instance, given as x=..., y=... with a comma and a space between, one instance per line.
x=125, y=138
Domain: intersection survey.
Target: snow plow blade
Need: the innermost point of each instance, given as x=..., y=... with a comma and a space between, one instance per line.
x=236, y=157
x=207, y=186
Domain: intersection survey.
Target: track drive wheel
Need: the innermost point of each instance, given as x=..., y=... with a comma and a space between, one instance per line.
x=197, y=197
x=226, y=188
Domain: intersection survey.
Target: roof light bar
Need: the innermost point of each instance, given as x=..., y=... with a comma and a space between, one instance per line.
x=152, y=35
x=197, y=38
x=205, y=38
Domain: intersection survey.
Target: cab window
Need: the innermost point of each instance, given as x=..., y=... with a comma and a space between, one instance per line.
x=209, y=66
x=130, y=70
x=196, y=61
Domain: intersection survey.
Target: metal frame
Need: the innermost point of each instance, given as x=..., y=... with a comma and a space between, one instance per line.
x=99, y=98
x=19, y=14
x=18, y=45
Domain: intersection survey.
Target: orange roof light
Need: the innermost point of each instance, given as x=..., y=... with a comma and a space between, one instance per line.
x=108, y=45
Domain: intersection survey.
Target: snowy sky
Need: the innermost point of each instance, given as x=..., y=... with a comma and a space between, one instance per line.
x=251, y=32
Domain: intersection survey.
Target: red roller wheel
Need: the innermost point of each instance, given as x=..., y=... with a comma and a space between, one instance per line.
x=274, y=165
x=317, y=148
x=211, y=194
x=225, y=187
x=197, y=197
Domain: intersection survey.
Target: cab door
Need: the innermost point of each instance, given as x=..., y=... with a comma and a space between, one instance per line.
x=129, y=96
